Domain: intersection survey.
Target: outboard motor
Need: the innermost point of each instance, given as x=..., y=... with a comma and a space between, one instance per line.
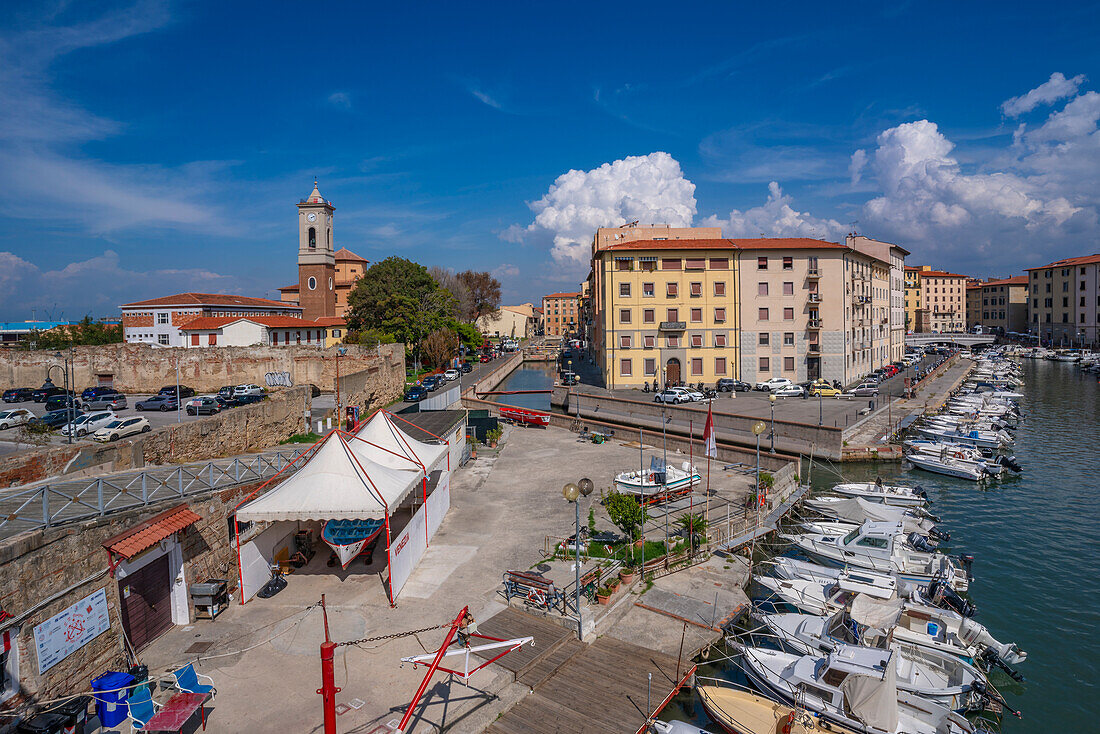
x=939, y=534
x=990, y=660
x=975, y=634
x=967, y=561
x=920, y=542
x=919, y=491
x=1009, y=462
x=942, y=595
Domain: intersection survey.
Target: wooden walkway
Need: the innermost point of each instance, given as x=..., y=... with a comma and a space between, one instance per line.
x=598, y=688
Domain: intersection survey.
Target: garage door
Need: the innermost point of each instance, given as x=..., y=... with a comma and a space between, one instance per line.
x=146, y=602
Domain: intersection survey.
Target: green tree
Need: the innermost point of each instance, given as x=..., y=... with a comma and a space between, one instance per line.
x=85, y=332
x=625, y=513
x=483, y=293
x=693, y=525
x=471, y=338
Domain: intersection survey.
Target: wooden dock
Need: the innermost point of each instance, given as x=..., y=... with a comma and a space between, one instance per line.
x=599, y=688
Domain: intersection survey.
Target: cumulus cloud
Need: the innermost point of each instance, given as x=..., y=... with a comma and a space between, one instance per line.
x=776, y=218
x=505, y=270
x=855, y=167
x=1056, y=88
x=649, y=189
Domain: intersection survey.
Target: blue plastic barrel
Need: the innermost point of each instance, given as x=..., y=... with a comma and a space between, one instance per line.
x=111, y=708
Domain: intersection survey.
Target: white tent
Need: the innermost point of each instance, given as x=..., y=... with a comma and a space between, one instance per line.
x=383, y=442
x=337, y=483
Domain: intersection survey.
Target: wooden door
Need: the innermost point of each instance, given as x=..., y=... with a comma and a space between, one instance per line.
x=672, y=371
x=146, y=602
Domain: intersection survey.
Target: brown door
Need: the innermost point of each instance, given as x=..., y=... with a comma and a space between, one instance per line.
x=146, y=603
x=672, y=371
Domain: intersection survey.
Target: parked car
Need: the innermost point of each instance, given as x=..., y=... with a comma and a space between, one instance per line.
x=184, y=391
x=865, y=390
x=789, y=391
x=772, y=384
x=690, y=395
x=59, y=402
x=822, y=389
x=247, y=390
x=204, y=406
x=485, y=358
x=88, y=423
x=160, y=402
x=227, y=392
x=728, y=384
x=467, y=368
x=415, y=393
x=19, y=394
x=243, y=400
x=57, y=418
x=672, y=395
x=16, y=417
x=109, y=401
x=46, y=392
x=451, y=375
x=92, y=392
x=121, y=428
x=430, y=382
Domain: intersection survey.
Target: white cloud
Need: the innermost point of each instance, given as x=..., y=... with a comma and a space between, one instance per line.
x=855, y=168
x=1056, y=88
x=775, y=218
x=340, y=99
x=485, y=98
x=505, y=270
x=649, y=188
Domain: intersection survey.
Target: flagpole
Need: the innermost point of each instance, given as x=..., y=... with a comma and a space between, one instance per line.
x=707, y=451
x=691, y=465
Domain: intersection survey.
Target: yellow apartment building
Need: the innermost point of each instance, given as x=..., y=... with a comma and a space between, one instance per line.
x=561, y=313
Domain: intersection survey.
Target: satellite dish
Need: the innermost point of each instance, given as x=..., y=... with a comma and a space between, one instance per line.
x=586, y=486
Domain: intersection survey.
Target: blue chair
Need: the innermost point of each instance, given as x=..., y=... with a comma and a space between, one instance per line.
x=188, y=680
x=142, y=708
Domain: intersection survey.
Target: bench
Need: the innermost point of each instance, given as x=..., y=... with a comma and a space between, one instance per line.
x=535, y=589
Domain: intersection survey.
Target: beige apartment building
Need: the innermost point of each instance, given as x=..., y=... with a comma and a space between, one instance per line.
x=935, y=300
x=561, y=313
x=519, y=322
x=693, y=307
x=974, y=302
x=998, y=305
x=1064, y=301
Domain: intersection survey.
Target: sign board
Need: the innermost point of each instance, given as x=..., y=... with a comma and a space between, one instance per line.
x=409, y=546
x=63, y=634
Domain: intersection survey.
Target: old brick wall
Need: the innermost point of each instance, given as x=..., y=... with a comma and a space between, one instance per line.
x=70, y=562
x=143, y=368
x=375, y=386
x=236, y=431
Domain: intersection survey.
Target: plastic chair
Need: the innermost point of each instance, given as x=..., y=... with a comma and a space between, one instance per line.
x=188, y=680
x=142, y=708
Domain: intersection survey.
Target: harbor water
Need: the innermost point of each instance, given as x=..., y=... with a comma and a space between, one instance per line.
x=1036, y=542
x=528, y=376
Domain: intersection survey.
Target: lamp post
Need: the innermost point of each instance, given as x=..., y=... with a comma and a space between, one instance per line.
x=340, y=352
x=68, y=397
x=572, y=493
x=757, y=429
x=771, y=435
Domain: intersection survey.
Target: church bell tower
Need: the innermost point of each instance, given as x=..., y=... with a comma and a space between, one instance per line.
x=316, y=257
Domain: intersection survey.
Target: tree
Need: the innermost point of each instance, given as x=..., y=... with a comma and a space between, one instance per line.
x=85, y=332
x=484, y=293
x=397, y=296
x=440, y=346
x=625, y=512
x=471, y=338
x=693, y=525
x=449, y=282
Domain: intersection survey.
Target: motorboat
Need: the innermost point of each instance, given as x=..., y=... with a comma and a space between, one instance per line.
x=897, y=496
x=661, y=479
x=525, y=416
x=857, y=509
x=854, y=686
x=841, y=528
x=349, y=538
x=972, y=437
x=938, y=676
x=674, y=727
x=743, y=712
x=948, y=465
x=884, y=547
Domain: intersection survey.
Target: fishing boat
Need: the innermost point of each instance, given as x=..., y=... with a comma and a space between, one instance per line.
x=742, y=712
x=661, y=480
x=886, y=494
x=348, y=538
x=525, y=416
x=854, y=687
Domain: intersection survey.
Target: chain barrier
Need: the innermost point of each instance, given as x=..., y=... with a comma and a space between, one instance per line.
x=394, y=636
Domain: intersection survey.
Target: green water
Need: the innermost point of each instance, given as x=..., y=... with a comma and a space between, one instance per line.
x=529, y=376
x=1036, y=542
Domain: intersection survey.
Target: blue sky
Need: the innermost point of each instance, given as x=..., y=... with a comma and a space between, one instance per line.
x=154, y=147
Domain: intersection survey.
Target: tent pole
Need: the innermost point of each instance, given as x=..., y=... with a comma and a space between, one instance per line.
x=240, y=569
x=389, y=565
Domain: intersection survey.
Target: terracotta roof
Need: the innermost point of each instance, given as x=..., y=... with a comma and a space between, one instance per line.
x=204, y=323
x=787, y=243
x=152, y=531
x=1014, y=280
x=330, y=321
x=684, y=244
x=1083, y=260
x=940, y=274
x=207, y=299
x=564, y=295
x=344, y=254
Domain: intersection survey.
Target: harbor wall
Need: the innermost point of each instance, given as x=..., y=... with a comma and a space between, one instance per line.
x=380, y=383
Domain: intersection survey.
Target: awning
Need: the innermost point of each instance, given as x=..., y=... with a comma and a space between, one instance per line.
x=336, y=483
x=381, y=441
x=147, y=534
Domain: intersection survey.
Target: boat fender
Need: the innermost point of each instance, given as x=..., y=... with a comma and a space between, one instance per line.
x=788, y=723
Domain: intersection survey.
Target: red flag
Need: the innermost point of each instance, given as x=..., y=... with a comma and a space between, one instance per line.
x=711, y=447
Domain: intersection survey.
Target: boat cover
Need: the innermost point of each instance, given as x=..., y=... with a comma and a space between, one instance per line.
x=335, y=484
x=880, y=614
x=383, y=442
x=872, y=700
x=858, y=510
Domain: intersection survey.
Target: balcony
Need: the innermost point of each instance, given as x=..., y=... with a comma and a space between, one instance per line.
x=815, y=298
x=813, y=324
x=814, y=348
x=672, y=326
x=813, y=273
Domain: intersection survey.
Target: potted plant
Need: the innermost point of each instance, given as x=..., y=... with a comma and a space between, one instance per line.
x=613, y=583
x=603, y=595
x=693, y=526
x=473, y=446
x=626, y=574
x=493, y=435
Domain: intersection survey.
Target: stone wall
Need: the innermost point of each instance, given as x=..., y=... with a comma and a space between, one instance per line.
x=43, y=572
x=143, y=368
x=231, y=432
x=377, y=385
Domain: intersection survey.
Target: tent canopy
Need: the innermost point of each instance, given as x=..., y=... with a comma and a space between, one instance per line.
x=859, y=510
x=873, y=701
x=336, y=483
x=388, y=445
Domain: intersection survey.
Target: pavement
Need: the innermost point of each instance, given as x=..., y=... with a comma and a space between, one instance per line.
x=501, y=518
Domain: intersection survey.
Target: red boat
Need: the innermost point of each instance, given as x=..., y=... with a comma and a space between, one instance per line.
x=525, y=416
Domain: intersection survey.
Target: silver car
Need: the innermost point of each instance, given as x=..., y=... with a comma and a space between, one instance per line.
x=110, y=401
x=866, y=390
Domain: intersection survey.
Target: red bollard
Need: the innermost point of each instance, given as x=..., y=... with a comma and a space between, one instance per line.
x=328, y=689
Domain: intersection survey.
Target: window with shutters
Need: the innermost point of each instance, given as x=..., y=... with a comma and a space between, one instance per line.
x=647, y=290
x=761, y=263
x=761, y=289
x=788, y=289
x=625, y=367
x=788, y=338
x=195, y=337
x=650, y=365
x=624, y=264
x=788, y=263
x=649, y=266
x=624, y=316
x=788, y=314
x=670, y=264
x=697, y=366
x=719, y=365
x=672, y=342
x=765, y=365
x=720, y=315
x=648, y=316
x=624, y=341
x=764, y=339
x=719, y=288
x=696, y=290
x=696, y=340
x=719, y=263
x=762, y=314
x=695, y=263
x=672, y=289
x=697, y=314
x=649, y=341
x=673, y=314
x=788, y=364
x=624, y=289
x=719, y=340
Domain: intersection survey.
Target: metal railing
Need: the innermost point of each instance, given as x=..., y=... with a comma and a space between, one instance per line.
x=61, y=501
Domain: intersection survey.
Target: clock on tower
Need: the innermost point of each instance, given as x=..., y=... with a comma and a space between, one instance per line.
x=316, y=258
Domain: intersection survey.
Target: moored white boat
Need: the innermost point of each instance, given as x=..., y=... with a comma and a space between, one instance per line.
x=897, y=496
x=659, y=480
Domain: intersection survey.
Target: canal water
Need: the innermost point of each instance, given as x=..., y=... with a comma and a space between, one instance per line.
x=528, y=376
x=1036, y=543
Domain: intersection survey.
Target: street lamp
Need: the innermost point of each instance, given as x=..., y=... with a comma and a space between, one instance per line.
x=757, y=429
x=340, y=352
x=771, y=399
x=69, y=406
x=572, y=493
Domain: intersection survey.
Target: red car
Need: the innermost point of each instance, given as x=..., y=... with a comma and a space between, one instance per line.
x=486, y=358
